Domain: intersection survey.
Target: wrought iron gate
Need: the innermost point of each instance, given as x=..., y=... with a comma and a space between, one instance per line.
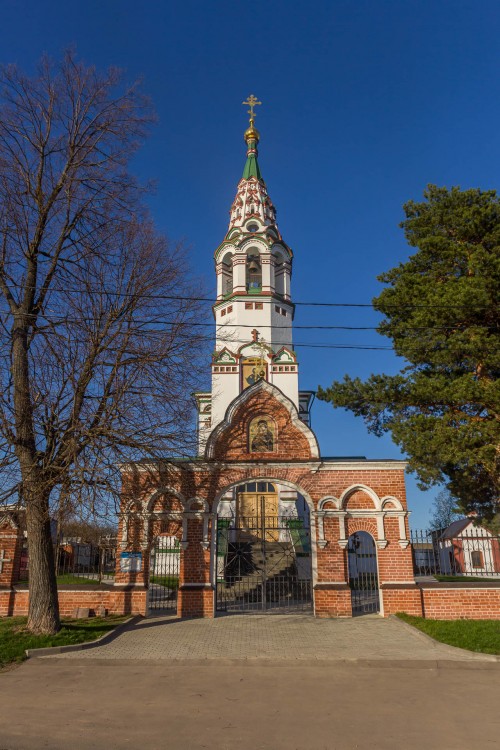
x=164, y=573
x=263, y=562
x=363, y=577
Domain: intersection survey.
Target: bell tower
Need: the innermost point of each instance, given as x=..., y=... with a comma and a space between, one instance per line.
x=253, y=310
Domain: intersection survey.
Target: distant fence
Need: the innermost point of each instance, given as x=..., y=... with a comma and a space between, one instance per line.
x=474, y=552
x=79, y=560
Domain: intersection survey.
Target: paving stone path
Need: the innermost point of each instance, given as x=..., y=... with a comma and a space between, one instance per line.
x=287, y=638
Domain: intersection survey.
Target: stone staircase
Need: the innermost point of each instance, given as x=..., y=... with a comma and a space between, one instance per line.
x=255, y=576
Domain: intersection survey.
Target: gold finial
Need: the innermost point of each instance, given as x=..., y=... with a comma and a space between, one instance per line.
x=252, y=134
x=252, y=102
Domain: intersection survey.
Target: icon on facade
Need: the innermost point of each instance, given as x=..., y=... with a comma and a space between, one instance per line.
x=262, y=435
x=253, y=371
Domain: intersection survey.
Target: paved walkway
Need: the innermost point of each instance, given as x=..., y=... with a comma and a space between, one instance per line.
x=287, y=638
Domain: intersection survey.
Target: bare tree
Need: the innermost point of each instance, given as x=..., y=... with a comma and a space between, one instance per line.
x=98, y=351
x=444, y=509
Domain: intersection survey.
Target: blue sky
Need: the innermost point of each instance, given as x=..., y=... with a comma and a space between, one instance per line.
x=364, y=103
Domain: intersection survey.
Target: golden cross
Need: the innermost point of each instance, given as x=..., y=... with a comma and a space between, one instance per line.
x=252, y=101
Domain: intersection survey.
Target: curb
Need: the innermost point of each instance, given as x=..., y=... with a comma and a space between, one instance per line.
x=54, y=650
x=456, y=650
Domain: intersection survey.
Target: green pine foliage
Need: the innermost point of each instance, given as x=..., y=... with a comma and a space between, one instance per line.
x=442, y=312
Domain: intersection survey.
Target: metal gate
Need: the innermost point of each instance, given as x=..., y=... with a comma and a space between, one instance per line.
x=363, y=576
x=164, y=573
x=263, y=562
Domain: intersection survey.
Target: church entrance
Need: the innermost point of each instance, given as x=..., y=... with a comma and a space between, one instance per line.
x=264, y=553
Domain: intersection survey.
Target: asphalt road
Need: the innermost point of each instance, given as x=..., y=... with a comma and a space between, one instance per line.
x=87, y=704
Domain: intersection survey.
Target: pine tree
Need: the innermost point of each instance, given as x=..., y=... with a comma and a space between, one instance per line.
x=442, y=313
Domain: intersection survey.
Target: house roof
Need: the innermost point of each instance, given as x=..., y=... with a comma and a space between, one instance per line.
x=455, y=528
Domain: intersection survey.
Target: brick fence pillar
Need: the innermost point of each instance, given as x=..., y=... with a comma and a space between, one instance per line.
x=11, y=541
x=132, y=564
x=332, y=595
x=196, y=592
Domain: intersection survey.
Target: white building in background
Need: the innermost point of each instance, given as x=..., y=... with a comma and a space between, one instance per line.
x=468, y=549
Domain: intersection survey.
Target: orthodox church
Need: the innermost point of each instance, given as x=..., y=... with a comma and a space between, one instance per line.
x=259, y=521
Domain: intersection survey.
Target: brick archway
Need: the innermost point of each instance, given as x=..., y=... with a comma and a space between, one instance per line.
x=263, y=549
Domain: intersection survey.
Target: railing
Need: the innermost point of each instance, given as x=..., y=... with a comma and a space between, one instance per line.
x=79, y=562
x=471, y=553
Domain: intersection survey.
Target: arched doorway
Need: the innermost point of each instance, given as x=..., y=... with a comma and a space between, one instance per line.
x=363, y=574
x=164, y=570
x=263, y=550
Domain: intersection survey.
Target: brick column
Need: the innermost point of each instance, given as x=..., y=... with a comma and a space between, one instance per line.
x=196, y=592
x=332, y=595
x=132, y=564
x=395, y=564
x=11, y=541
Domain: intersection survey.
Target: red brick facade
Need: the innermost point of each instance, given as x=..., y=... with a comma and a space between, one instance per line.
x=181, y=499
x=344, y=496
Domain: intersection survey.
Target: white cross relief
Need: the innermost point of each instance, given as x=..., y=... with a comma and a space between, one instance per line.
x=3, y=560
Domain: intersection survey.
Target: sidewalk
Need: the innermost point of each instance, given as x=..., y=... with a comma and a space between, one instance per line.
x=287, y=638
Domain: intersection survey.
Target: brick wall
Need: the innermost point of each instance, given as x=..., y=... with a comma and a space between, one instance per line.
x=444, y=601
x=115, y=601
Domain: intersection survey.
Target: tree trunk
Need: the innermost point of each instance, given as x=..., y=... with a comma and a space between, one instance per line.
x=43, y=612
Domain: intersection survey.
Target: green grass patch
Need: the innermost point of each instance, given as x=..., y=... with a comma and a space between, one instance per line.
x=15, y=638
x=171, y=582
x=64, y=579
x=466, y=579
x=473, y=635
x=67, y=578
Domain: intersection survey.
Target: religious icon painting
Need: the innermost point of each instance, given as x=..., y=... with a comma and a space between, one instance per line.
x=253, y=369
x=261, y=435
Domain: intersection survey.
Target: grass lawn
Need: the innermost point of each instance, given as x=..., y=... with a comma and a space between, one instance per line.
x=466, y=579
x=474, y=635
x=66, y=578
x=14, y=638
x=171, y=582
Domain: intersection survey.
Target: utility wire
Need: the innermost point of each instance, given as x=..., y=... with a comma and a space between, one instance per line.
x=228, y=300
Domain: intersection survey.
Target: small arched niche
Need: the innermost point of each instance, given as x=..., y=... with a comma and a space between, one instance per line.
x=280, y=272
x=227, y=274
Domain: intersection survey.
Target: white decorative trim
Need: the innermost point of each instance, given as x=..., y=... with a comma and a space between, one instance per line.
x=381, y=543
x=197, y=499
x=163, y=491
x=359, y=488
x=329, y=499
x=3, y=560
x=312, y=464
x=322, y=543
x=10, y=520
x=404, y=543
x=391, y=499
x=243, y=397
x=343, y=543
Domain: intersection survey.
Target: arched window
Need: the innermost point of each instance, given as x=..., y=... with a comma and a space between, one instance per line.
x=254, y=272
x=279, y=274
x=227, y=274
